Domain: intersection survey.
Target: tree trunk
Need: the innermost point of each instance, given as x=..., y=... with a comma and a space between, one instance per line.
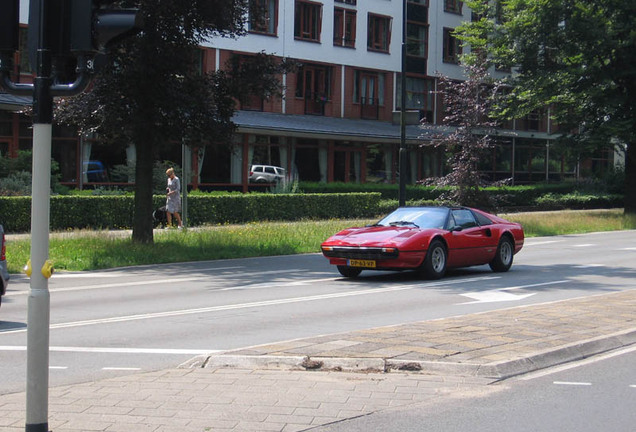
x=630, y=179
x=142, y=221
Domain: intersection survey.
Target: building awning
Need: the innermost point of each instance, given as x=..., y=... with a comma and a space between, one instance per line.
x=10, y=102
x=320, y=127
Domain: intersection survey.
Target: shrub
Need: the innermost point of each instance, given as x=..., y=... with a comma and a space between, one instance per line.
x=16, y=183
x=577, y=201
x=116, y=212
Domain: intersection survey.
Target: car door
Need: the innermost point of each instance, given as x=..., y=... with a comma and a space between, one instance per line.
x=468, y=243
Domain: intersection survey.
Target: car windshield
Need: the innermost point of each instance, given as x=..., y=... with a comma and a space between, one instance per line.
x=422, y=217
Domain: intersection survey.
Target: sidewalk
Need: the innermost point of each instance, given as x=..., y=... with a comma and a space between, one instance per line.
x=304, y=383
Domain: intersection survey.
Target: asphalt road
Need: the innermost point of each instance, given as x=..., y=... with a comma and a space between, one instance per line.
x=598, y=394
x=108, y=323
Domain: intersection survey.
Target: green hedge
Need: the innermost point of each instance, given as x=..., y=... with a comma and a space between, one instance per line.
x=577, y=201
x=509, y=195
x=116, y=212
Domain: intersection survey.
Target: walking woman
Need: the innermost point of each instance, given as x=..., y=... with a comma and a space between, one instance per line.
x=173, y=200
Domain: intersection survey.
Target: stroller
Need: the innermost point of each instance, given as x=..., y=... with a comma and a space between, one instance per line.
x=159, y=217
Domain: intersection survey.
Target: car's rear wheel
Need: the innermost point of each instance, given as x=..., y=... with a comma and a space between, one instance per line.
x=434, y=266
x=504, y=256
x=349, y=272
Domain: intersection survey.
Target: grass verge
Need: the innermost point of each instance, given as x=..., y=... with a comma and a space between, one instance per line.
x=83, y=250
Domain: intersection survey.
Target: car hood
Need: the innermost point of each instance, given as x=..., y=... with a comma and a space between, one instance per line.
x=372, y=236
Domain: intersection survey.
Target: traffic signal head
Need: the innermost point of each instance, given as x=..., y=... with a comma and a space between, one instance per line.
x=72, y=27
x=9, y=25
x=93, y=28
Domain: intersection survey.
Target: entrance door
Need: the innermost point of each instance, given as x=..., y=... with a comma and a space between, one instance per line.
x=315, y=90
x=347, y=166
x=368, y=96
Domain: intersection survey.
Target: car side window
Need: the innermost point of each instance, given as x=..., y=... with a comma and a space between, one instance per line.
x=270, y=170
x=464, y=218
x=483, y=220
x=258, y=169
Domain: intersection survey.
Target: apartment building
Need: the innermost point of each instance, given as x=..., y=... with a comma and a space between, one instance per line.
x=338, y=120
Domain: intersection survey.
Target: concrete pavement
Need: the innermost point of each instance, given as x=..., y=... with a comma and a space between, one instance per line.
x=300, y=384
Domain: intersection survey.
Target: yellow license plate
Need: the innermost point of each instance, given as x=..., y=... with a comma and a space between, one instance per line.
x=361, y=263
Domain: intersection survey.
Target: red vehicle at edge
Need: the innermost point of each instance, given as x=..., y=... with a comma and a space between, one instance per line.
x=427, y=239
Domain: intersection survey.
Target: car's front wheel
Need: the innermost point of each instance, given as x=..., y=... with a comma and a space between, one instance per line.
x=504, y=255
x=434, y=266
x=349, y=272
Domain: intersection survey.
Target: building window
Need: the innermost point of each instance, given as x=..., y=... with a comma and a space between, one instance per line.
x=263, y=16
x=452, y=47
x=308, y=19
x=419, y=96
x=368, y=91
x=313, y=84
x=379, y=33
x=344, y=27
x=453, y=6
x=416, y=40
x=351, y=2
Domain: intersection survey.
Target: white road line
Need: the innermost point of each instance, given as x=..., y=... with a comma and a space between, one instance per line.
x=145, y=282
x=92, y=275
x=589, y=266
x=527, y=243
x=114, y=285
x=275, y=284
x=116, y=350
x=571, y=383
x=633, y=386
x=255, y=304
x=58, y=367
x=629, y=249
x=120, y=369
x=584, y=245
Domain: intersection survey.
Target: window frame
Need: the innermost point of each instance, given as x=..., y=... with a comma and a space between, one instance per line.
x=307, y=13
x=420, y=42
x=271, y=26
x=321, y=81
x=453, y=6
x=375, y=43
x=347, y=18
x=450, y=42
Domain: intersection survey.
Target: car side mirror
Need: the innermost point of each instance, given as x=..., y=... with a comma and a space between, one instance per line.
x=456, y=228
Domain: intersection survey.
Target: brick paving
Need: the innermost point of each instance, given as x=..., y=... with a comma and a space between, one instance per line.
x=269, y=387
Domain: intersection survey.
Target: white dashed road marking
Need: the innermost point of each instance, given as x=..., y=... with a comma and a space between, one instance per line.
x=116, y=350
x=572, y=383
x=277, y=302
x=121, y=369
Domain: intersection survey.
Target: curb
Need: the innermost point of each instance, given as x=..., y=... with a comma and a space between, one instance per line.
x=495, y=370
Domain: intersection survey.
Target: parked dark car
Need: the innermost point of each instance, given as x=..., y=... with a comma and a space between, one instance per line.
x=4, y=273
x=428, y=239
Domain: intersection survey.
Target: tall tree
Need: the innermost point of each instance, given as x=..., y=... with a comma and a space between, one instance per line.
x=576, y=57
x=467, y=105
x=151, y=91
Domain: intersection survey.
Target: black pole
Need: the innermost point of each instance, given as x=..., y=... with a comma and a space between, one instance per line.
x=402, y=154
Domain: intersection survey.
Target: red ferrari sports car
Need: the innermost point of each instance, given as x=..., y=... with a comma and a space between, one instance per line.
x=428, y=239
